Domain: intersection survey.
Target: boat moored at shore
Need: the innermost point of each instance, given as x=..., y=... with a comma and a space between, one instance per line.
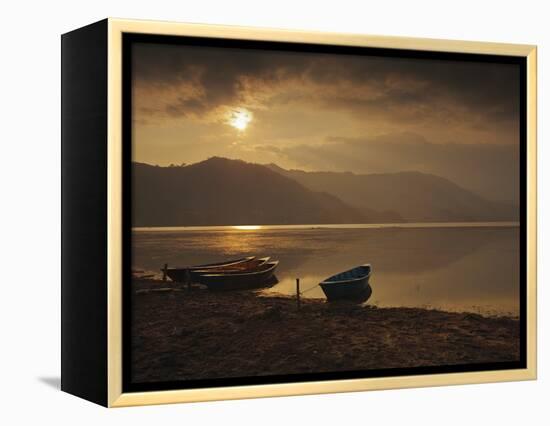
x=260, y=277
x=352, y=284
x=180, y=274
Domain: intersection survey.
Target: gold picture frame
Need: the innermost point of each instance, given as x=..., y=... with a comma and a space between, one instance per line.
x=116, y=28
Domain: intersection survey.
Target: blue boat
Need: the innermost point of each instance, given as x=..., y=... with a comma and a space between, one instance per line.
x=349, y=285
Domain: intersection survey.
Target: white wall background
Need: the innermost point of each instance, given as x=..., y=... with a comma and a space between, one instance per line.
x=30, y=200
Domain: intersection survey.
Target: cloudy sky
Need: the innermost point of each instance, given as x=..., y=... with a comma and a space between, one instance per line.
x=312, y=111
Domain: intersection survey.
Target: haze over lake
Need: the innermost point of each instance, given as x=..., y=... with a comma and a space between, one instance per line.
x=455, y=267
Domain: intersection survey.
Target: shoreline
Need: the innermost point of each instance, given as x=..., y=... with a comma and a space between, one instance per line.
x=180, y=334
x=399, y=225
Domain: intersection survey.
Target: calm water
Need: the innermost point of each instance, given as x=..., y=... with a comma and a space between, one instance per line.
x=459, y=267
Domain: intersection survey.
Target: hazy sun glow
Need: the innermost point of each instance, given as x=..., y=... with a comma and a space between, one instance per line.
x=240, y=118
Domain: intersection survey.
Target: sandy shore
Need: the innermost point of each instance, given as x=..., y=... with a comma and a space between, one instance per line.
x=184, y=335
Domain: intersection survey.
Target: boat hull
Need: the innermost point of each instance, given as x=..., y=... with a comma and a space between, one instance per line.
x=244, y=281
x=240, y=268
x=355, y=291
x=182, y=275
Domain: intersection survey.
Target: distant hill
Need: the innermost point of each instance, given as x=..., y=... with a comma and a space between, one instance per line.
x=414, y=196
x=219, y=191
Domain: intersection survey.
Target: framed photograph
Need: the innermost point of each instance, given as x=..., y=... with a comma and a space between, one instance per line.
x=251, y=213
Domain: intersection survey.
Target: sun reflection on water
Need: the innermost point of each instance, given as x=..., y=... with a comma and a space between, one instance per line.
x=247, y=227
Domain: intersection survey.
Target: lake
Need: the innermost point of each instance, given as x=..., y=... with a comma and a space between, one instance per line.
x=471, y=267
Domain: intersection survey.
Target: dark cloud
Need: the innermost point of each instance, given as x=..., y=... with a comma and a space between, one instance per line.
x=221, y=74
x=421, y=87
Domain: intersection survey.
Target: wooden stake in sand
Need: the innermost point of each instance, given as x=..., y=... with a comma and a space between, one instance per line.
x=164, y=271
x=188, y=278
x=298, y=292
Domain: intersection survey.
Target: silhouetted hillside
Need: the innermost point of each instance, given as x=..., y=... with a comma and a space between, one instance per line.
x=219, y=191
x=416, y=197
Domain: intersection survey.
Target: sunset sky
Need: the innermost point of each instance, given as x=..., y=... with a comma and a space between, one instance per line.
x=311, y=111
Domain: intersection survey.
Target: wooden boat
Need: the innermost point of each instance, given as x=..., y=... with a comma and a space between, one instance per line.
x=259, y=277
x=181, y=274
x=348, y=285
x=243, y=267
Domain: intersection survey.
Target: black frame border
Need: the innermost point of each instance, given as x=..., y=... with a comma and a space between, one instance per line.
x=130, y=38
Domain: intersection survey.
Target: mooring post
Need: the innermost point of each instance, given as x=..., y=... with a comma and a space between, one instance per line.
x=298, y=292
x=164, y=271
x=188, y=279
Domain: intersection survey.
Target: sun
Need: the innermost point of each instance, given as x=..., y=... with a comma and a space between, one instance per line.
x=240, y=118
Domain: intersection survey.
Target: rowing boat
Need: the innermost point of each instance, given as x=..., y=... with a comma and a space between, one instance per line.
x=240, y=280
x=352, y=284
x=180, y=274
x=248, y=266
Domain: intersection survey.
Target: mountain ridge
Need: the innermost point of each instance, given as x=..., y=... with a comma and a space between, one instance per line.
x=221, y=191
x=416, y=196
